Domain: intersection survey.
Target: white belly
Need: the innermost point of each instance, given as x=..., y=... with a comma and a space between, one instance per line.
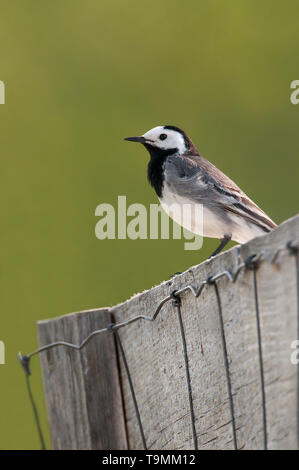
x=194, y=217
x=202, y=221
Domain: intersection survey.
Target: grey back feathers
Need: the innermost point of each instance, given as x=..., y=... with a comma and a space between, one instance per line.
x=195, y=179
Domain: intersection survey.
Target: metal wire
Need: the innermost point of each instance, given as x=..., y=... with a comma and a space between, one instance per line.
x=122, y=352
x=177, y=304
x=226, y=364
x=25, y=364
x=196, y=292
x=264, y=256
x=261, y=362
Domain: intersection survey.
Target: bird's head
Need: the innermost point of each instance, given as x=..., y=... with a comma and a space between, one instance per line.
x=165, y=140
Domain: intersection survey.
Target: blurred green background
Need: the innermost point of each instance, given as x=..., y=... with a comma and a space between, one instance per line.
x=80, y=76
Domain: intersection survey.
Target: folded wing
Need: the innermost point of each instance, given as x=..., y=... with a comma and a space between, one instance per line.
x=195, y=178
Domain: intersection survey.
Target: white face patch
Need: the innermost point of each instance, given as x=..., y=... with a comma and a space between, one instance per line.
x=174, y=139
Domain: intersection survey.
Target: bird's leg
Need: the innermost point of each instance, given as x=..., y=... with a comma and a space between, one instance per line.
x=224, y=241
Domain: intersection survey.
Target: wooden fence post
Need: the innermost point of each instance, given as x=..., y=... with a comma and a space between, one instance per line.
x=83, y=393
x=235, y=339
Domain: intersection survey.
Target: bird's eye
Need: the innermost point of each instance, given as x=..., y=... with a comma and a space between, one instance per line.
x=163, y=136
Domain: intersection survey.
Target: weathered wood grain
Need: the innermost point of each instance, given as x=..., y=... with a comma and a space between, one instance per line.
x=154, y=353
x=82, y=387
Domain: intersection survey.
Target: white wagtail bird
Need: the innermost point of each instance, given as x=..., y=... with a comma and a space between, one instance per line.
x=180, y=175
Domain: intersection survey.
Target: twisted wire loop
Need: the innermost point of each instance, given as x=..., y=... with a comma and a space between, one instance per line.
x=196, y=292
x=294, y=251
x=252, y=264
x=211, y=281
x=129, y=377
x=24, y=361
x=177, y=304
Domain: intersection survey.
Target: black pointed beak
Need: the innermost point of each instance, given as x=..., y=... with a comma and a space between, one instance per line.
x=140, y=139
